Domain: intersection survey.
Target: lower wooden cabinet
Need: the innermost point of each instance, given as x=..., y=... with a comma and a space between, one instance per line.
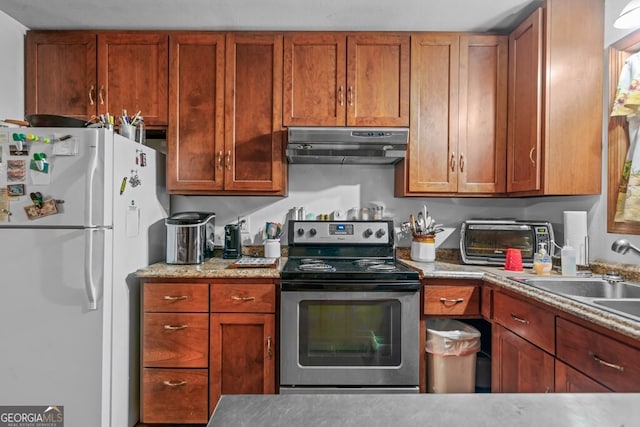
x=242, y=355
x=519, y=366
x=174, y=395
x=569, y=380
x=200, y=340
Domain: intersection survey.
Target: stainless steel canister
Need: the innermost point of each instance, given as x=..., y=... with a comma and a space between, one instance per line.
x=190, y=237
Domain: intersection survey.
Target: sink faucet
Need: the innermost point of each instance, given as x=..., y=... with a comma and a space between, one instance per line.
x=622, y=246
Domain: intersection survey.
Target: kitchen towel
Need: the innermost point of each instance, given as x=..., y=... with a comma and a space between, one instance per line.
x=575, y=233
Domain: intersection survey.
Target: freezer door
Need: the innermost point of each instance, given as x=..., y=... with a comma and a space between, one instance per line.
x=55, y=350
x=78, y=177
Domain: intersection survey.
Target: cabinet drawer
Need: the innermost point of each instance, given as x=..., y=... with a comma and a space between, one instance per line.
x=530, y=322
x=174, y=396
x=174, y=297
x=243, y=298
x=452, y=300
x=604, y=359
x=175, y=340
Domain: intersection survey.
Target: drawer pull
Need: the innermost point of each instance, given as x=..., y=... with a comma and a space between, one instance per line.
x=269, y=353
x=174, y=383
x=235, y=298
x=176, y=298
x=519, y=319
x=175, y=327
x=607, y=364
x=450, y=301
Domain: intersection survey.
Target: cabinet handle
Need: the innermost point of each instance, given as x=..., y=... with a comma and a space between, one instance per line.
x=175, y=327
x=452, y=162
x=220, y=160
x=100, y=95
x=449, y=301
x=91, y=89
x=341, y=95
x=269, y=352
x=350, y=96
x=607, y=364
x=235, y=298
x=228, y=161
x=461, y=162
x=174, y=383
x=176, y=298
x=519, y=319
x=533, y=162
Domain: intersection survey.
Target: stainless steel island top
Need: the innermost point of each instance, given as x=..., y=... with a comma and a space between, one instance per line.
x=434, y=410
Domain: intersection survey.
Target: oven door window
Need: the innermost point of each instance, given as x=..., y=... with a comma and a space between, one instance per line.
x=350, y=333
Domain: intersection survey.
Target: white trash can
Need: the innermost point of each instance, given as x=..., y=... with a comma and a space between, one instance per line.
x=451, y=356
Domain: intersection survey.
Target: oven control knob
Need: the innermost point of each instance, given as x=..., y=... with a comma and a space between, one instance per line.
x=368, y=232
x=380, y=233
x=300, y=231
x=312, y=232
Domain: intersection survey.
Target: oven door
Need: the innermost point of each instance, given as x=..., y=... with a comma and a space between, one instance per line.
x=488, y=243
x=349, y=339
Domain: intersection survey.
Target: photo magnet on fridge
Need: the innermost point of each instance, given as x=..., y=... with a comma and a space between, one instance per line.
x=48, y=208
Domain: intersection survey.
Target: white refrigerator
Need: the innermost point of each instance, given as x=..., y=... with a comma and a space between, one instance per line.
x=80, y=211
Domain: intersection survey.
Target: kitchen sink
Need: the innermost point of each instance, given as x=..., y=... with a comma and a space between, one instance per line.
x=621, y=298
x=587, y=287
x=625, y=307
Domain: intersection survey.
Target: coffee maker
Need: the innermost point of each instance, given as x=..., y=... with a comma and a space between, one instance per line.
x=232, y=242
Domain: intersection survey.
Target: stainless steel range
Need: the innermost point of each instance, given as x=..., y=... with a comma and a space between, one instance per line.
x=350, y=314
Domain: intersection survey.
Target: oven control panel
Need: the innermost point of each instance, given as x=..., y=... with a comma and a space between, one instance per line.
x=341, y=232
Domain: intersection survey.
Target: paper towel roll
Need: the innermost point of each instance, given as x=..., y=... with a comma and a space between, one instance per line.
x=575, y=232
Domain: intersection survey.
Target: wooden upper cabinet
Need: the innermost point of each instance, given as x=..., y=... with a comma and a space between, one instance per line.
x=339, y=79
x=133, y=74
x=458, y=115
x=195, y=136
x=525, y=105
x=225, y=134
x=554, y=138
x=254, y=151
x=82, y=74
x=61, y=73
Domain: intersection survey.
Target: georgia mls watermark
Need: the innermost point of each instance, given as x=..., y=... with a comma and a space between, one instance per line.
x=31, y=416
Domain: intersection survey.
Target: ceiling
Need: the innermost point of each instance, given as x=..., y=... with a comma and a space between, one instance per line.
x=381, y=15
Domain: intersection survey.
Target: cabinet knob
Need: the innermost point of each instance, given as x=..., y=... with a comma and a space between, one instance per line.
x=100, y=95
x=533, y=162
x=220, y=160
x=341, y=96
x=228, y=161
x=461, y=162
x=175, y=298
x=235, y=298
x=175, y=327
x=350, y=96
x=174, y=383
x=91, y=89
x=452, y=162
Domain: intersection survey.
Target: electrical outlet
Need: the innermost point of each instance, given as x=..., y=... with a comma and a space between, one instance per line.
x=243, y=221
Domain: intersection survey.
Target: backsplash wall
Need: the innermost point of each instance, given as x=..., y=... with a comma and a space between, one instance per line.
x=321, y=189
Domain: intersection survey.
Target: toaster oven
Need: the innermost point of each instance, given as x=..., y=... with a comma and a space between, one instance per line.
x=485, y=241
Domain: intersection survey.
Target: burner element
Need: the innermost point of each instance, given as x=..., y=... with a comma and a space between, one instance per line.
x=382, y=267
x=315, y=265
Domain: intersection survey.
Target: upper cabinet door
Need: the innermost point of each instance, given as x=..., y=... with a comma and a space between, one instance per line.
x=254, y=152
x=61, y=73
x=195, y=136
x=377, y=92
x=482, y=131
x=314, y=79
x=524, y=141
x=335, y=79
x=133, y=74
x=432, y=159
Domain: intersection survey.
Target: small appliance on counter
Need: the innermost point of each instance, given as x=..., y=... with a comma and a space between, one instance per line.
x=190, y=237
x=232, y=242
x=485, y=241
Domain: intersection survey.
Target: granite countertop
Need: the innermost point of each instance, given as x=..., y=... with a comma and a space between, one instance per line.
x=215, y=267
x=404, y=410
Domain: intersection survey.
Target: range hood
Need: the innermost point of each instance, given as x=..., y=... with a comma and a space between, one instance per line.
x=347, y=145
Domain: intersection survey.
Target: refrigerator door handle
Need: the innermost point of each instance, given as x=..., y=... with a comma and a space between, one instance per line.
x=92, y=168
x=89, y=283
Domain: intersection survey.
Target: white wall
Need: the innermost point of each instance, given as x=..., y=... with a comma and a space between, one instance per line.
x=12, y=71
